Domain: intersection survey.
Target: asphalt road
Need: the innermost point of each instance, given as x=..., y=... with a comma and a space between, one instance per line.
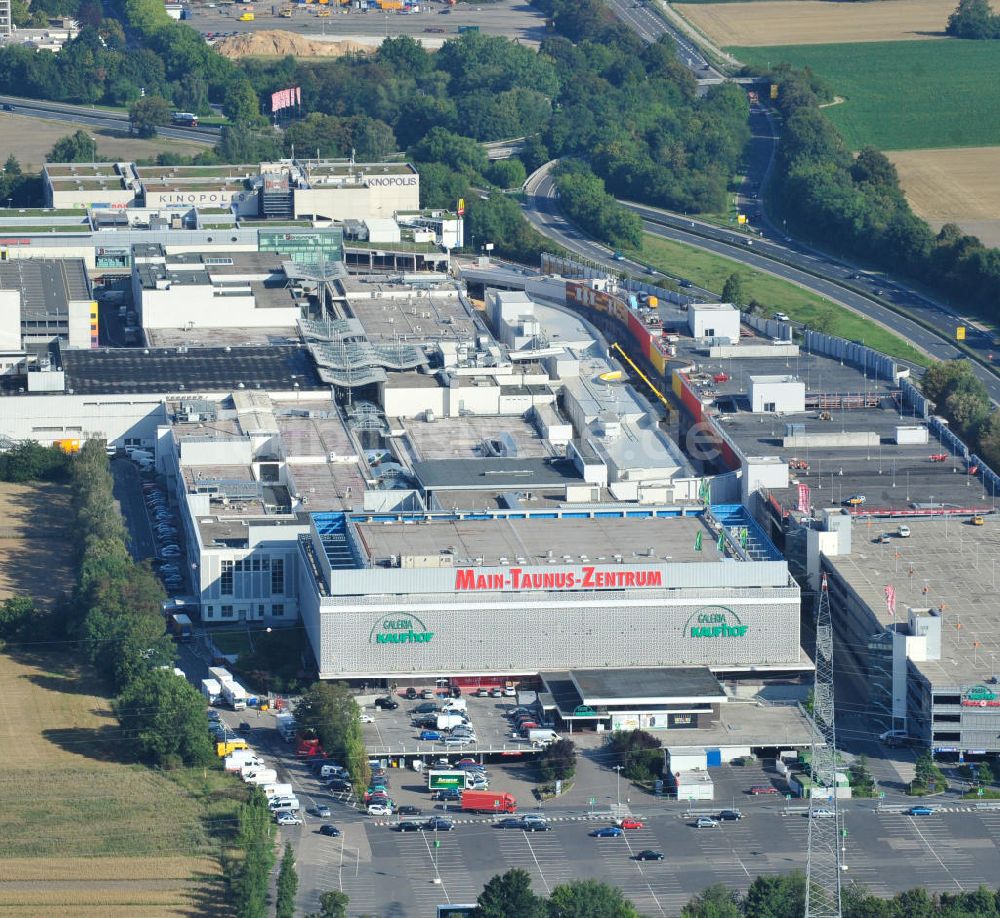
x=128, y=493
x=510, y=18
x=99, y=118
x=649, y=27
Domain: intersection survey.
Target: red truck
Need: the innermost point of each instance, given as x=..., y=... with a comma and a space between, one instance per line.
x=309, y=747
x=488, y=802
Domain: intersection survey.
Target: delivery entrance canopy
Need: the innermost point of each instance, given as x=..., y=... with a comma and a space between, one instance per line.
x=593, y=694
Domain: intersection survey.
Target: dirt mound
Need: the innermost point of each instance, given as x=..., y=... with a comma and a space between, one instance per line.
x=278, y=43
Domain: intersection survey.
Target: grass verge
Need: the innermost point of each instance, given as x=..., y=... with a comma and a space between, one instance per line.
x=710, y=271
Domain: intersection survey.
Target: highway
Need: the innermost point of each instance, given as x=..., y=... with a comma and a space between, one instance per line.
x=101, y=118
x=768, y=247
x=649, y=27
x=829, y=278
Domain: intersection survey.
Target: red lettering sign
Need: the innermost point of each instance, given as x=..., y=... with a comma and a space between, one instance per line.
x=980, y=703
x=583, y=578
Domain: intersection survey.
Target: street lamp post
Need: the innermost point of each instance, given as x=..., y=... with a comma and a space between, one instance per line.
x=618, y=783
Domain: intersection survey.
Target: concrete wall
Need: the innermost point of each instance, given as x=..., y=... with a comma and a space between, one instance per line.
x=353, y=203
x=818, y=440
x=246, y=200
x=10, y=320
x=788, y=395
x=605, y=629
x=46, y=418
x=177, y=306
x=712, y=321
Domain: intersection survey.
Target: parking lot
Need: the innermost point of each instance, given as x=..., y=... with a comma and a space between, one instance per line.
x=392, y=732
x=388, y=873
x=394, y=873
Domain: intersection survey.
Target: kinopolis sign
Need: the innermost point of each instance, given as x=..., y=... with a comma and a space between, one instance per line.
x=715, y=622
x=979, y=696
x=409, y=630
x=581, y=578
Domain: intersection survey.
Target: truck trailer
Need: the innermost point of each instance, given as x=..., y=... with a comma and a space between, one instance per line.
x=488, y=802
x=234, y=695
x=446, y=779
x=181, y=626
x=220, y=674
x=277, y=790
x=285, y=722
x=212, y=691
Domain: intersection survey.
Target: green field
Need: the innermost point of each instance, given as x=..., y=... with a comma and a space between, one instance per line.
x=710, y=271
x=904, y=95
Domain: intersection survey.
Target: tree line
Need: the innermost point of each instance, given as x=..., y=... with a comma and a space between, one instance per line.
x=767, y=897
x=960, y=396
x=974, y=19
x=855, y=206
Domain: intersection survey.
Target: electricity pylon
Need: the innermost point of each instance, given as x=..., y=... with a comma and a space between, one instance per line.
x=823, y=861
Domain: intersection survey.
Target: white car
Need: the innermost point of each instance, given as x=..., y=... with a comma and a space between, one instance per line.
x=379, y=809
x=823, y=814
x=366, y=719
x=288, y=819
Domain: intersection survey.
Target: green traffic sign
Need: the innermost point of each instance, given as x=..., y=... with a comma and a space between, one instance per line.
x=437, y=843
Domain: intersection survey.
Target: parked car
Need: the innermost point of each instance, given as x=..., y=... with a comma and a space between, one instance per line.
x=410, y=693
x=322, y=811
x=386, y=704
x=430, y=736
x=366, y=719
x=427, y=693
x=331, y=831
x=425, y=708
x=438, y=824
x=447, y=795
x=483, y=693
x=649, y=855
x=706, y=822
x=510, y=691
x=606, y=832
x=458, y=740
x=288, y=819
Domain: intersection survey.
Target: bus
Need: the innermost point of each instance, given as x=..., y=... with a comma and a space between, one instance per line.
x=187, y=119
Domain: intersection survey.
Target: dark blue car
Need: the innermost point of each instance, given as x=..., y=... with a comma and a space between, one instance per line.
x=430, y=735
x=607, y=832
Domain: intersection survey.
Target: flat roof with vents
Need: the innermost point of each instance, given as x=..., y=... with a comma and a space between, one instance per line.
x=47, y=285
x=207, y=369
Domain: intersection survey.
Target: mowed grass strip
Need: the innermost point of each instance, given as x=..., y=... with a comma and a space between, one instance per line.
x=711, y=271
x=907, y=95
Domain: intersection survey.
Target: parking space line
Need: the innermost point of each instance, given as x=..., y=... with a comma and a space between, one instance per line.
x=541, y=872
x=642, y=873
x=916, y=829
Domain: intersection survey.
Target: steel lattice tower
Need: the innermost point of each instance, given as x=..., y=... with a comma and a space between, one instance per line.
x=823, y=862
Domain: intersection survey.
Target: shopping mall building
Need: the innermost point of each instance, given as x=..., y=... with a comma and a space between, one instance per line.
x=501, y=593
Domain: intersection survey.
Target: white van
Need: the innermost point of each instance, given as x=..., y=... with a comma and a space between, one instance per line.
x=455, y=704
x=277, y=804
x=332, y=771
